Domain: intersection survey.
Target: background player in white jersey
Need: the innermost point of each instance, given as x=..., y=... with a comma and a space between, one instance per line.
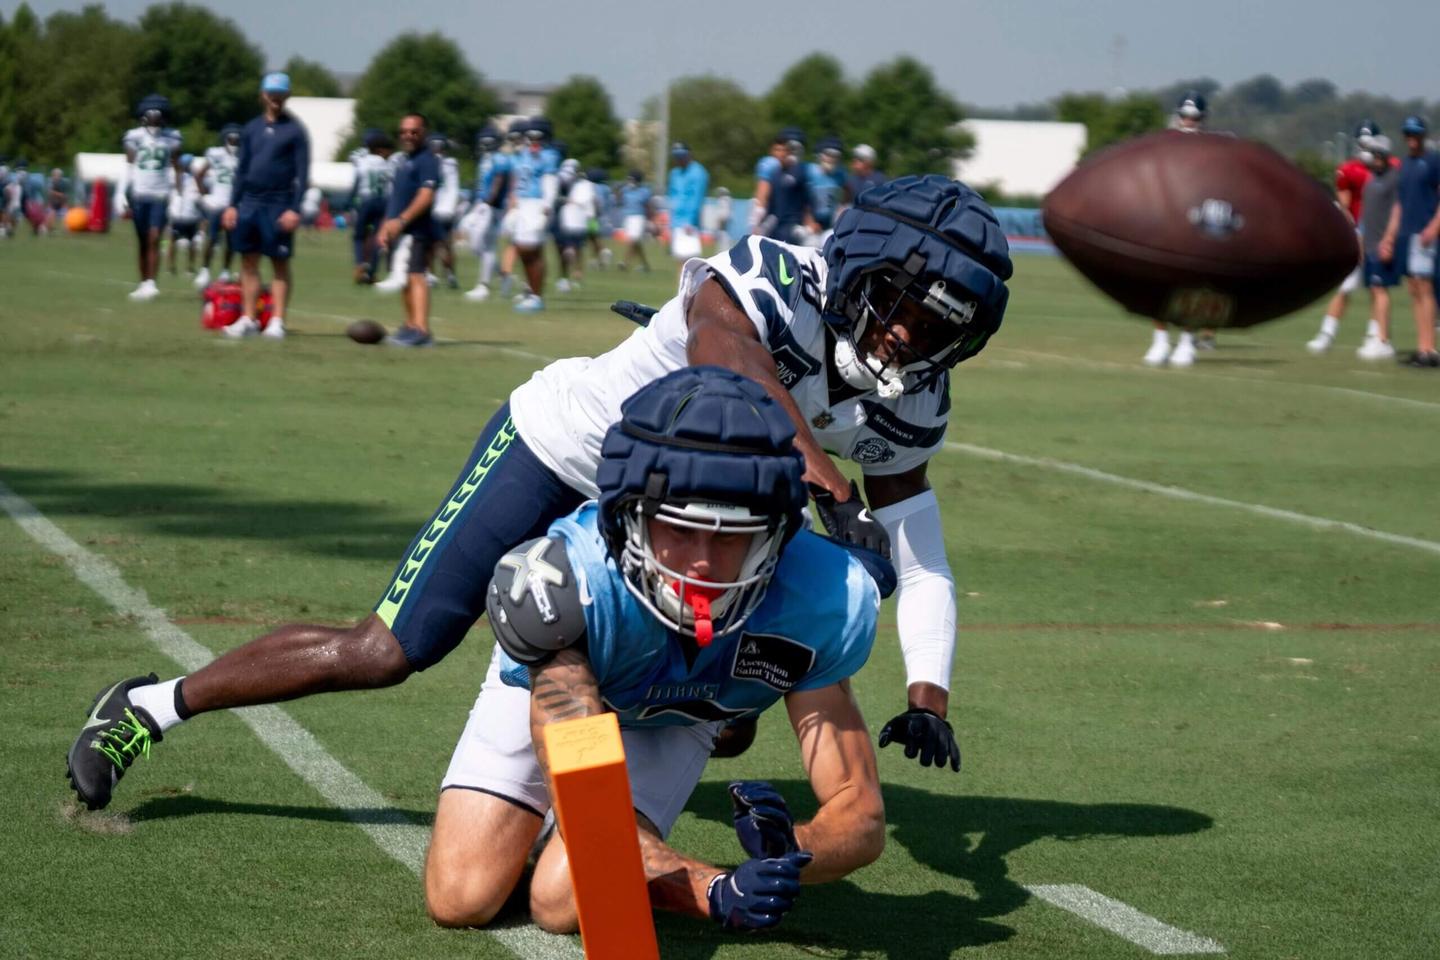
x=215, y=176
x=855, y=342
x=368, y=194
x=447, y=202
x=152, y=155
x=184, y=215
x=397, y=256
x=492, y=190
x=577, y=211
x=702, y=599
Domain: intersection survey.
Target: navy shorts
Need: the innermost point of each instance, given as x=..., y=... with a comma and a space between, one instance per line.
x=185, y=229
x=148, y=215
x=1378, y=273
x=256, y=230
x=503, y=497
x=420, y=244
x=214, y=228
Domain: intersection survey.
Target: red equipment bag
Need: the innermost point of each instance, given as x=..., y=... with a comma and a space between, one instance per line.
x=223, y=304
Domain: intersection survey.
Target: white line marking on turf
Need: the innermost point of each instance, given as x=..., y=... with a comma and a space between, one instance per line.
x=392, y=832
x=1180, y=493
x=1124, y=920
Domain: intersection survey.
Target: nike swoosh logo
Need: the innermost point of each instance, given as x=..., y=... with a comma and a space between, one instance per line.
x=95, y=720
x=584, y=585
x=785, y=278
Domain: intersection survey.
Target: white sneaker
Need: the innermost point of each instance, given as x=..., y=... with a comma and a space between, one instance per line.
x=1158, y=353
x=1375, y=349
x=202, y=279
x=431, y=280
x=226, y=277
x=241, y=328
x=1319, y=343
x=530, y=304
x=562, y=285
x=1184, y=353
x=274, y=330
x=146, y=291
x=391, y=284
x=478, y=294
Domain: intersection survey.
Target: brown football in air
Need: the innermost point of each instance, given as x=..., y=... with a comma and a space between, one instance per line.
x=1201, y=229
x=365, y=331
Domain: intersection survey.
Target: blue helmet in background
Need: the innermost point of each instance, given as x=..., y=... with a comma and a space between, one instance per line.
x=1192, y=105
x=927, y=244
x=1414, y=126
x=1365, y=129
x=488, y=139
x=538, y=128
x=702, y=448
x=228, y=131
x=153, y=110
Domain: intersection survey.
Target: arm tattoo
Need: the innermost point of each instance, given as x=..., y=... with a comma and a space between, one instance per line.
x=562, y=689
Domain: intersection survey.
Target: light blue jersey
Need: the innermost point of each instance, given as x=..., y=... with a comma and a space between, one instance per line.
x=687, y=188
x=814, y=628
x=492, y=167
x=765, y=167
x=528, y=170
x=635, y=201
x=826, y=192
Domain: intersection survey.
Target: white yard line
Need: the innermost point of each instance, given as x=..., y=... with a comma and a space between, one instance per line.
x=1180, y=493
x=1124, y=920
x=392, y=832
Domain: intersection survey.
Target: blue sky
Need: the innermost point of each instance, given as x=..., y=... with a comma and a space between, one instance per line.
x=993, y=54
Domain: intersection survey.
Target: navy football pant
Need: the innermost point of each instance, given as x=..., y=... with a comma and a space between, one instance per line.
x=503, y=497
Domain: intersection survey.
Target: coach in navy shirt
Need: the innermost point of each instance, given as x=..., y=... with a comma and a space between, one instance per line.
x=271, y=177
x=409, y=228
x=1410, y=237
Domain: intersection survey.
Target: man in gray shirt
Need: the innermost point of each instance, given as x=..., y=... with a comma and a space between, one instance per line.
x=1378, y=199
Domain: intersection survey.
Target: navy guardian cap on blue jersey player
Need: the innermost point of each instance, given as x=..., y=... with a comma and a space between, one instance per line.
x=688, y=595
x=911, y=283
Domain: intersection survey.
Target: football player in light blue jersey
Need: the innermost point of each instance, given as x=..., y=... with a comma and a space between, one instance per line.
x=492, y=192
x=765, y=169
x=687, y=595
x=635, y=215
x=534, y=186
x=826, y=180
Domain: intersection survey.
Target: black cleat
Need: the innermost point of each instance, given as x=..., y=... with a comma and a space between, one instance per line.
x=1428, y=360
x=114, y=735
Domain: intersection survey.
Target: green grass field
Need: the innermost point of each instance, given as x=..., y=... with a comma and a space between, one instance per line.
x=1226, y=719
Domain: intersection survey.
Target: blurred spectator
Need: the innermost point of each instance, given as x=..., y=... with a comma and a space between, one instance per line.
x=789, y=217
x=57, y=196
x=635, y=212
x=1410, y=235
x=827, y=181
x=765, y=168
x=447, y=202
x=1350, y=179
x=863, y=174
x=408, y=214
x=1381, y=273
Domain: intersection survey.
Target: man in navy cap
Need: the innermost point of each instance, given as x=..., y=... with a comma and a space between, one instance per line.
x=271, y=178
x=1410, y=236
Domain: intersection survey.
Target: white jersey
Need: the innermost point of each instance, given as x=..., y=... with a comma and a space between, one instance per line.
x=220, y=166
x=373, y=174
x=151, y=176
x=447, y=194
x=564, y=410
x=578, y=208
x=185, y=205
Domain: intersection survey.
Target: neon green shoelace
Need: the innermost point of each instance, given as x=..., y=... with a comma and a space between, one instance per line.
x=124, y=741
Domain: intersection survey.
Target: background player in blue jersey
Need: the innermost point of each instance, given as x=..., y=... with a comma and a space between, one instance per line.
x=152, y=154
x=635, y=213
x=826, y=178
x=687, y=595
x=788, y=215
x=491, y=196
x=856, y=343
x=765, y=168
x=534, y=186
x=689, y=182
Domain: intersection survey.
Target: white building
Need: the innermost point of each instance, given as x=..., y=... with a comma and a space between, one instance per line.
x=1021, y=157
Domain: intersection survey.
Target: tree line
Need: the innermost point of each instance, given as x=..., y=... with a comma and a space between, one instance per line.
x=70, y=84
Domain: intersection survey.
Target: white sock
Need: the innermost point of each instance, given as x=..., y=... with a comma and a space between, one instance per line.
x=158, y=699
x=1330, y=326
x=487, y=267
x=1161, y=336
x=1187, y=339
x=1372, y=329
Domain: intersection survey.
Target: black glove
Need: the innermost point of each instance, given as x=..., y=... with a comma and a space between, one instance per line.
x=762, y=821
x=925, y=734
x=757, y=893
x=850, y=522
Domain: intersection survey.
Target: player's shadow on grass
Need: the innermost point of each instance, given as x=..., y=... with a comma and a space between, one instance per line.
x=170, y=807
x=338, y=528
x=964, y=837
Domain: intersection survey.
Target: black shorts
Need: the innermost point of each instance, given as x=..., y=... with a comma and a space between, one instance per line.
x=257, y=230
x=503, y=497
x=184, y=229
x=420, y=244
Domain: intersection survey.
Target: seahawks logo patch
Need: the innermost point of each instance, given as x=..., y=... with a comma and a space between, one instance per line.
x=873, y=450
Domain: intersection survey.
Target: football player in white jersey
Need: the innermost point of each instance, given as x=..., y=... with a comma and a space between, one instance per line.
x=577, y=210
x=371, y=189
x=184, y=214
x=855, y=342
x=447, y=202
x=152, y=155
x=215, y=176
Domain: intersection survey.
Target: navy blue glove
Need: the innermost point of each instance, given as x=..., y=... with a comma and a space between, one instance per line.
x=925, y=734
x=849, y=521
x=762, y=821
x=756, y=894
